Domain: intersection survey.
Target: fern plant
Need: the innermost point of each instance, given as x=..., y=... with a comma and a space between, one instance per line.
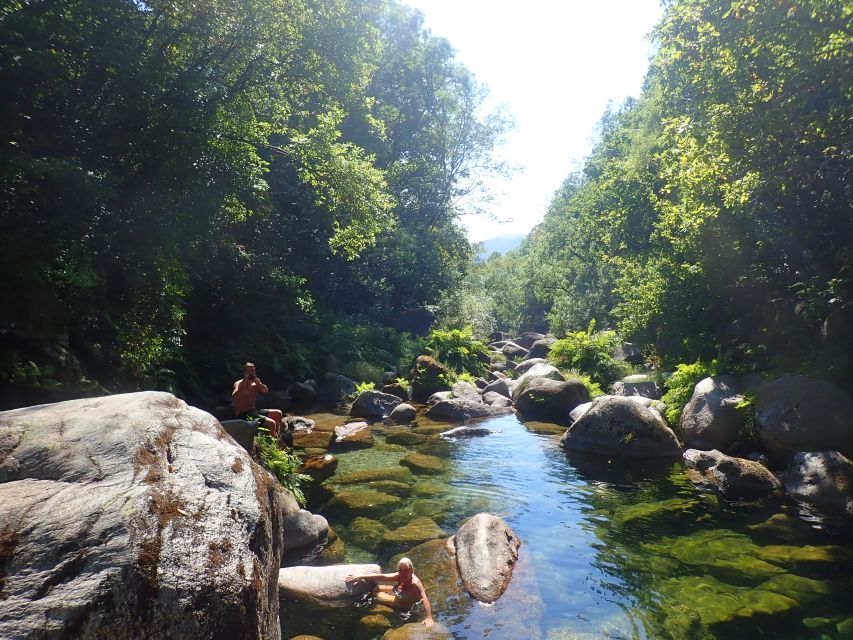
x=458, y=350
x=283, y=465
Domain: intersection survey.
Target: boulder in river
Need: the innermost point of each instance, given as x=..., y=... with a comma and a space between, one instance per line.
x=541, y=348
x=550, y=399
x=733, y=477
x=540, y=370
x=486, y=552
x=120, y=514
x=637, y=385
x=497, y=386
x=325, y=586
x=514, y=351
x=796, y=413
x=712, y=419
x=428, y=376
x=464, y=409
x=465, y=390
x=823, y=479
x=528, y=338
x=619, y=427
x=403, y=414
x=353, y=435
x=373, y=405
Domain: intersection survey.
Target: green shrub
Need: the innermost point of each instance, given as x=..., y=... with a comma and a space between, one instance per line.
x=458, y=350
x=590, y=352
x=283, y=465
x=591, y=385
x=680, y=386
x=466, y=377
x=405, y=384
x=429, y=373
x=364, y=386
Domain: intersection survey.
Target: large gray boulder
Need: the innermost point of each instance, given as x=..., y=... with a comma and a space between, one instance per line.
x=496, y=399
x=497, y=386
x=486, y=552
x=528, y=338
x=823, y=479
x=550, y=399
x=733, y=477
x=655, y=405
x=619, y=427
x=542, y=347
x=373, y=405
x=525, y=365
x=334, y=388
x=711, y=419
x=796, y=413
x=637, y=385
x=463, y=409
x=540, y=370
x=514, y=351
x=301, y=527
x=466, y=390
x=121, y=514
x=325, y=586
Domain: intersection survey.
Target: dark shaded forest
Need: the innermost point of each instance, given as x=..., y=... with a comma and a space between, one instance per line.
x=184, y=187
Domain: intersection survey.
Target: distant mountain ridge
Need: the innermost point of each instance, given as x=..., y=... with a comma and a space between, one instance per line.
x=501, y=244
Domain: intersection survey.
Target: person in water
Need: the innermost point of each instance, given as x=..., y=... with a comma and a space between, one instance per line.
x=407, y=591
x=244, y=394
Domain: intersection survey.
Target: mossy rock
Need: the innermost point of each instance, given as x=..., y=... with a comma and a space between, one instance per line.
x=723, y=553
x=397, y=474
x=333, y=553
x=315, y=440
x=314, y=451
x=404, y=436
x=544, y=428
x=682, y=622
x=390, y=447
x=803, y=590
x=845, y=629
x=645, y=511
x=435, y=447
x=417, y=631
x=370, y=626
x=780, y=527
x=429, y=489
x=431, y=429
x=791, y=556
x=717, y=602
x=360, y=502
x=424, y=464
x=366, y=533
x=414, y=533
x=391, y=486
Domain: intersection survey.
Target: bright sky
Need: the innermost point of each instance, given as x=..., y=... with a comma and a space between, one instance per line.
x=555, y=64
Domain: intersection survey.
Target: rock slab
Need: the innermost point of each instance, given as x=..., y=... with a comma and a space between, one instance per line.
x=324, y=586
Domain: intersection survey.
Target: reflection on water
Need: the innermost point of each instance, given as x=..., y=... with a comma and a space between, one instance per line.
x=608, y=551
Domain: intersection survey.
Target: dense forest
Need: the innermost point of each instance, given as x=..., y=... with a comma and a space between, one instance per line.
x=713, y=220
x=184, y=187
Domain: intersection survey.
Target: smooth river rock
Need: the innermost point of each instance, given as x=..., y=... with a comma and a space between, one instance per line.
x=324, y=586
x=120, y=514
x=464, y=409
x=486, y=552
x=823, y=479
x=620, y=427
x=373, y=405
x=711, y=419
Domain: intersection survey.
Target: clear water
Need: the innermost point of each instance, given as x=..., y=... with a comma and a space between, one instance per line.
x=607, y=552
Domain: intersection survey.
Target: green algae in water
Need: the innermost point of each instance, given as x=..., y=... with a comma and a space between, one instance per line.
x=640, y=554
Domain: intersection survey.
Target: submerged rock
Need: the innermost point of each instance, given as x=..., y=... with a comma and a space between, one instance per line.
x=413, y=533
x=620, y=427
x=422, y=463
x=417, y=631
x=324, y=586
x=486, y=551
x=362, y=502
x=121, y=513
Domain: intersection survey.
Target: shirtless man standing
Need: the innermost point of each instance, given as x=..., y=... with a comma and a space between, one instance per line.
x=244, y=394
